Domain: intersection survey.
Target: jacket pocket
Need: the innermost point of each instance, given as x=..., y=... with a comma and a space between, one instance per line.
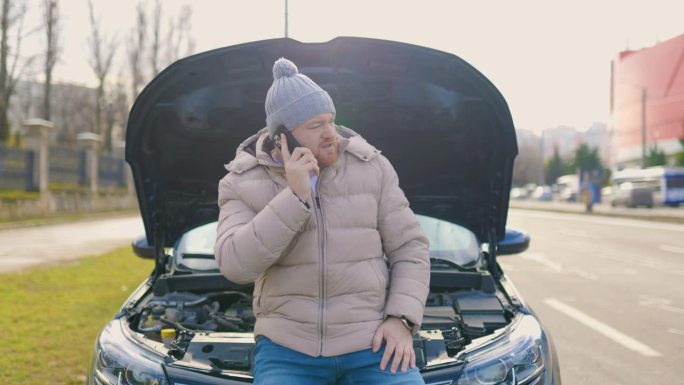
x=258, y=294
x=381, y=273
x=263, y=300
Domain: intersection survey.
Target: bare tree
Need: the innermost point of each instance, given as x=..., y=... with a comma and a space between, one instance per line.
x=51, y=21
x=102, y=50
x=74, y=110
x=179, y=42
x=116, y=111
x=11, y=23
x=156, y=35
x=528, y=166
x=136, y=50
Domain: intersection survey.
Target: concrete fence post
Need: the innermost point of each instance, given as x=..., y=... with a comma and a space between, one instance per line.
x=36, y=139
x=90, y=141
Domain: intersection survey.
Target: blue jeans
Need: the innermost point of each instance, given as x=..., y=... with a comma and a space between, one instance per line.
x=278, y=365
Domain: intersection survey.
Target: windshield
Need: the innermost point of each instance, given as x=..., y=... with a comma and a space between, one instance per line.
x=448, y=242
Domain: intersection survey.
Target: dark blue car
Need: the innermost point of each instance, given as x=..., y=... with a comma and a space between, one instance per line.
x=442, y=124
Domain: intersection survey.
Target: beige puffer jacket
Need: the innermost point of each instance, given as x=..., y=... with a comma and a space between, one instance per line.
x=322, y=286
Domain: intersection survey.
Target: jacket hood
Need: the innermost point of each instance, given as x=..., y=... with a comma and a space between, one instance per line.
x=445, y=128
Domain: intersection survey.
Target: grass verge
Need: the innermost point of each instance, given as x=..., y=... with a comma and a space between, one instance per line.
x=62, y=218
x=50, y=317
x=18, y=195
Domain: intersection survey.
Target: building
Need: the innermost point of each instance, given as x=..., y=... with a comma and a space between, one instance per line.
x=564, y=138
x=528, y=166
x=647, y=100
x=567, y=140
x=597, y=136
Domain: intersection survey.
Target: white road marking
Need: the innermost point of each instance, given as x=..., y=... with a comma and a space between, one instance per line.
x=557, y=267
x=675, y=331
x=641, y=224
x=542, y=260
x=659, y=303
x=626, y=258
x=673, y=249
x=573, y=233
x=577, y=234
x=615, y=335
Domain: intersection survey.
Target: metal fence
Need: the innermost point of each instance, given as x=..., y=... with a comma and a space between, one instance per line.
x=67, y=166
x=110, y=171
x=16, y=168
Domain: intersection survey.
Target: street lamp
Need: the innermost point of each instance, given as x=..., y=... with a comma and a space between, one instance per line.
x=643, y=127
x=285, y=18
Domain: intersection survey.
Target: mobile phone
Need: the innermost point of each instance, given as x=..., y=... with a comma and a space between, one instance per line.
x=292, y=143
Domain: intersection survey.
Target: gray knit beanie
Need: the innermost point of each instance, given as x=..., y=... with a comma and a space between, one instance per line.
x=293, y=98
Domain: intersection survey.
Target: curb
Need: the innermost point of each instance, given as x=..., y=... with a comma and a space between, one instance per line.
x=44, y=221
x=650, y=218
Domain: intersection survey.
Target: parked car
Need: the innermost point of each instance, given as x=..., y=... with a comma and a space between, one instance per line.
x=449, y=134
x=632, y=194
x=518, y=193
x=542, y=193
x=568, y=187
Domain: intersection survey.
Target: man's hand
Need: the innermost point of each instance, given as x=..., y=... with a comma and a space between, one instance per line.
x=398, y=342
x=298, y=165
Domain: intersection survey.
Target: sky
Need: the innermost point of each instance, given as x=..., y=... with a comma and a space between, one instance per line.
x=550, y=59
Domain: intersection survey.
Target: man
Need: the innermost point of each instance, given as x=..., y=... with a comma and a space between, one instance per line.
x=310, y=225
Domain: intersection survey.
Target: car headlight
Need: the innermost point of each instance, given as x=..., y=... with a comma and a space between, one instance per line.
x=118, y=361
x=515, y=359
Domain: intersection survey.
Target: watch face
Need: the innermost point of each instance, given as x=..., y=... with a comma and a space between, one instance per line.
x=406, y=323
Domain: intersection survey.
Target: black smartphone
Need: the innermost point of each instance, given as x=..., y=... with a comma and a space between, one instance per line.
x=292, y=143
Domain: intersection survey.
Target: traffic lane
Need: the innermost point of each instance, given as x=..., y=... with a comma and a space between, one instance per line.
x=587, y=355
x=40, y=245
x=642, y=238
x=630, y=300
x=605, y=274
x=591, y=247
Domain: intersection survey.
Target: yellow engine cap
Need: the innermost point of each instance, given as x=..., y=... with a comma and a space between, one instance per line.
x=168, y=333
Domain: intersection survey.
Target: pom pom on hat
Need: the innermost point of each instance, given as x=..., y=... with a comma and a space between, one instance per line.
x=283, y=67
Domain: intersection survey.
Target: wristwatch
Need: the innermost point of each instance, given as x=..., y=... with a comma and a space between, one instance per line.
x=405, y=322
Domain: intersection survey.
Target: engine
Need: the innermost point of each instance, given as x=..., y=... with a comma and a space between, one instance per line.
x=228, y=311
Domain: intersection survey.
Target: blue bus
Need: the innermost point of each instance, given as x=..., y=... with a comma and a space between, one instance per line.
x=666, y=183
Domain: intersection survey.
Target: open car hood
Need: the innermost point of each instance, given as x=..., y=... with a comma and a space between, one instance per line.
x=445, y=128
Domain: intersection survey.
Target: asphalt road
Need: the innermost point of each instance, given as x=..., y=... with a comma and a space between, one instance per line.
x=48, y=244
x=610, y=292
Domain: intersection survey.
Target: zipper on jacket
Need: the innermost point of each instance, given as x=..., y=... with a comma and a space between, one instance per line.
x=321, y=245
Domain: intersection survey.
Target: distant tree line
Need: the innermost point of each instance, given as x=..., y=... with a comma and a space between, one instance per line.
x=584, y=158
x=679, y=157
x=528, y=165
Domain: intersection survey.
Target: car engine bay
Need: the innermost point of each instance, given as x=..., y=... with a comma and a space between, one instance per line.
x=213, y=330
